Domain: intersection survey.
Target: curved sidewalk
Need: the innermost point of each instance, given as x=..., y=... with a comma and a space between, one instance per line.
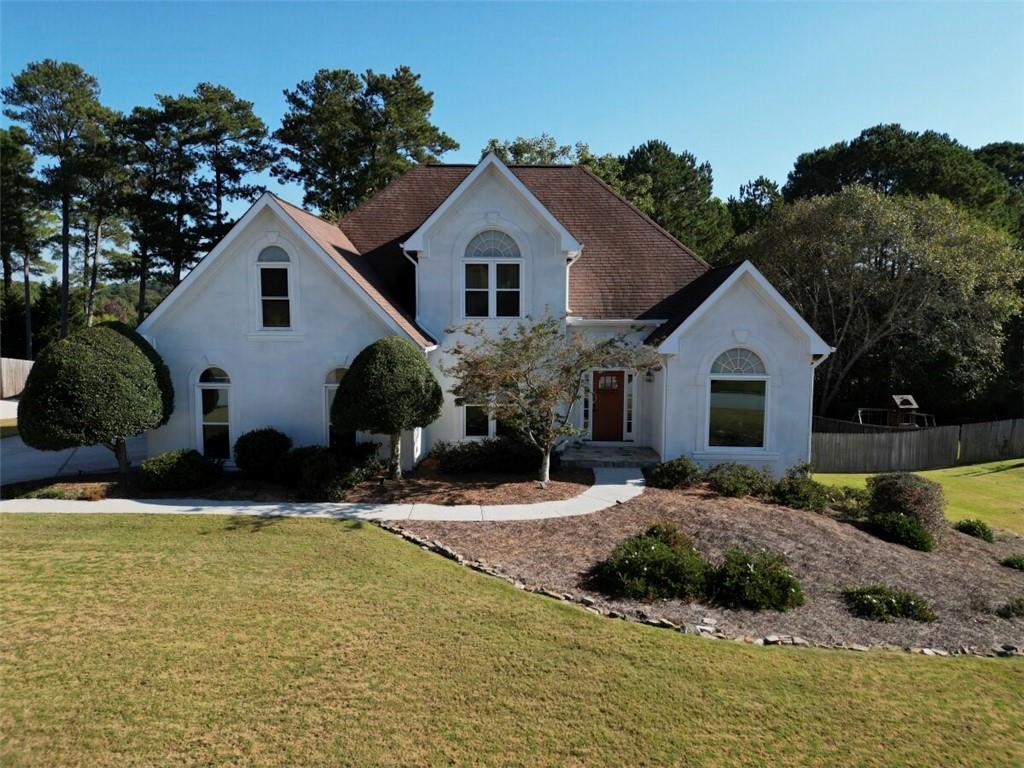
x=612, y=485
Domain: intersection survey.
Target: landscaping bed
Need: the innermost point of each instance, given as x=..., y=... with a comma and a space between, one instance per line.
x=961, y=579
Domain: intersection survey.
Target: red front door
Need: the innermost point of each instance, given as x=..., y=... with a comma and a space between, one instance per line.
x=609, y=391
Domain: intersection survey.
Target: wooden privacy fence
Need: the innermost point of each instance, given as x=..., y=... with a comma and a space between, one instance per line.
x=13, y=373
x=912, y=450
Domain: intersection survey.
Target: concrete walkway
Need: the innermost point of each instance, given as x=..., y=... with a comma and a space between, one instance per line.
x=18, y=462
x=611, y=486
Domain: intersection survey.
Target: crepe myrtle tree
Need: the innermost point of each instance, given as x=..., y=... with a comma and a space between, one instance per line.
x=388, y=389
x=98, y=386
x=531, y=376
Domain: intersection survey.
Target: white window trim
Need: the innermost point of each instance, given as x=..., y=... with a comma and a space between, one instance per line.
x=287, y=267
x=199, y=423
x=492, y=289
x=630, y=395
x=492, y=423
x=738, y=450
x=257, y=331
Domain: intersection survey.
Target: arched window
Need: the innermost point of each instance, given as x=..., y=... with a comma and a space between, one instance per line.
x=737, y=401
x=335, y=438
x=214, y=428
x=492, y=276
x=274, y=267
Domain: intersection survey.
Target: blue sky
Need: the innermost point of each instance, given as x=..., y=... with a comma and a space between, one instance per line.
x=746, y=87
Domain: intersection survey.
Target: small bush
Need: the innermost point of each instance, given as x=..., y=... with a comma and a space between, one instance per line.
x=976, y=528
x=849, y=502
x=319, y=474
x=1013, y=561
x=290, y=464
x=901, y=529
x=1012, y=610
x=47, y=493
x=904, y=493
x=178, y=471
x=659, y=563
x=800, y=492
x=499, y=454
x=883, y=603
x=257, y=453
x=677, y=473
x=755, y=580
x=731, y=479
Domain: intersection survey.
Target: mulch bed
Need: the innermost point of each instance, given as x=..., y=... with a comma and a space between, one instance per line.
x=962, y=578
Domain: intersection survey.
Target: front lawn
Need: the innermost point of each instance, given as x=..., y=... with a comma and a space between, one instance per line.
x=226, y=641
x=8, y=428
x=993, y=492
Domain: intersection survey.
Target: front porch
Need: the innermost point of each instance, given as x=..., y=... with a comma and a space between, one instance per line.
x=589, y=455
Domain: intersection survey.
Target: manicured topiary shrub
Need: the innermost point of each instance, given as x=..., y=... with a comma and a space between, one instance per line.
x=906, y=509
x=976, y=528
x=388, y=389
x=178, y=471
x=1013, y=609
x=883, y=603
x=659, y=563
x=499, y=454
x=160, y=369
x=1013, y=561
x=99, y=386
x=730, y=479
x=755, y=580
x=800, y=492
x=258, y=453
x=677, y=473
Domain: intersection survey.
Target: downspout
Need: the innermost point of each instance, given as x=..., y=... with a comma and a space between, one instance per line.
x=573, y=258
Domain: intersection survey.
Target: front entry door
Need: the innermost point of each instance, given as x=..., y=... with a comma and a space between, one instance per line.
x=609, y=389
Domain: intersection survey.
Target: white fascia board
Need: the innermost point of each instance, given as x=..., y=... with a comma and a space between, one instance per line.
x=818, y=346
x=597, y=322
x=567, y=243
x=204, y=263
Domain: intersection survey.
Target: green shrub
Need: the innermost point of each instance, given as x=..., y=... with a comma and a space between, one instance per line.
x=677, y=473
x=1013, y=561
x=290, y=464
x=1012, y=610
x=976, y=528
x=659, y=563
x=901, y=529
x=847, y=501
x=755, y=580
x=499, y=454
x=319, y=474
x=883, y=603
x=731, y=479
x=258, y=453
x=178, y=471
x=800, y=492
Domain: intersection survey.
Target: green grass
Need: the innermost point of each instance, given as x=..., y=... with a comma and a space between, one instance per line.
x=8, y=428
x=152, y=641
x=992, y=492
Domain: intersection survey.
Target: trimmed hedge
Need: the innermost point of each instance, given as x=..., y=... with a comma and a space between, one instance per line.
x=258, y=453
x=906, y=509
x=659, y=563
x=498, y=454
x=901, y=529
x=731, y=479
x=976, y=528
x=178, y=471
x=677, y=473
x=319, y=474
x=1013, y=561
x=800, y=492
x=880, y=602
x=755, y=580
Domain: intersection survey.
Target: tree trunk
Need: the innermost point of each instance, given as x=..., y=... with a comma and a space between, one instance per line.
x=143, y=275
x=545, y=468
x=123, y=464
x=26, y=266
x=396, y=456
x=90, y=295
x=8, y=269
x=65, y=265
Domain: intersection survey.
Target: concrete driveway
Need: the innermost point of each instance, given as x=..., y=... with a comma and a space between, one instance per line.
x=18, y=462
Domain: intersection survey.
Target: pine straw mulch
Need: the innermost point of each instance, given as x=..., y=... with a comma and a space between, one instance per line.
x=962, y=578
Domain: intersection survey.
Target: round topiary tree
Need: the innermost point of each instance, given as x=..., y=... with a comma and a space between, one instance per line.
x=388, y=388
x=98, y=386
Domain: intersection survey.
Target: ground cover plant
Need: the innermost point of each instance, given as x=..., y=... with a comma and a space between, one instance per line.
x=676, y=473
x=975, y=528
x=1013, y=561
x=883, y=603
x=990, y=492
x=658, y=563
x=1013, y=609
x=731, y=479
x=167, y=651
x=755, y=580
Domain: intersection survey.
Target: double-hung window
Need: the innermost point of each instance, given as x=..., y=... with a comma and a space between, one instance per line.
x=274, y=282
x=492, y=277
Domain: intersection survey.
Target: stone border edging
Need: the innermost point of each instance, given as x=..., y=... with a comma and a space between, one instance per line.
x=706, y=629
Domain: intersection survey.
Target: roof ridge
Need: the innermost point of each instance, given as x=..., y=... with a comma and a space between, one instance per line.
x=672, y=238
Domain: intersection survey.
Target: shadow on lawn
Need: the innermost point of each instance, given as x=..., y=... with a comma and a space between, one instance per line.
x=979, y=472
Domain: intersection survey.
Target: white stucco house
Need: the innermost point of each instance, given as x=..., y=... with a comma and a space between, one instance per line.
x=260, y=331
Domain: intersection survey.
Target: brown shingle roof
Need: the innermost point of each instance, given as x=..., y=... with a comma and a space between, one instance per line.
x=340, y=248
x=688, y=299
x=630, y=267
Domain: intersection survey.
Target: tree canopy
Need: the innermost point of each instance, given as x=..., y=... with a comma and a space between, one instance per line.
x=346, y=136
x=911, y=291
